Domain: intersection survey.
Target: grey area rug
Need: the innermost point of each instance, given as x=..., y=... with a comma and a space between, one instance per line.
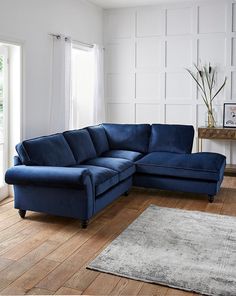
x=188, y=250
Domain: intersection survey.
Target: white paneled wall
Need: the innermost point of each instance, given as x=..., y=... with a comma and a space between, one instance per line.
x=147, y=51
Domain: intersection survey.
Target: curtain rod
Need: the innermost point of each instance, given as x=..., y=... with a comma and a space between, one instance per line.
x=83, y=43
x=58, y=36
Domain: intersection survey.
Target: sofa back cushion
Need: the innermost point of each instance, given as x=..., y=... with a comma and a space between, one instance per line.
x=81, y=145
x=99, y=138
x=134, y=137
x=171, y=138
x=50, y=150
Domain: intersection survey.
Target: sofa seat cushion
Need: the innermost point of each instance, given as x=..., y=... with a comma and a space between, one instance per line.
x=124, y=167
x=102, y=178
x=125, y=154
x=52, y=150
x=202, y=166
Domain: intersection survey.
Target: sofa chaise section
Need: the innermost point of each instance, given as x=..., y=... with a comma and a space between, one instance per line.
x=197, y=172
x=170, y=165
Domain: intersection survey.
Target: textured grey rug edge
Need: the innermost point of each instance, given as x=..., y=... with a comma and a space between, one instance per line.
x=201, y=290
x=182, y=210
x=143, y=280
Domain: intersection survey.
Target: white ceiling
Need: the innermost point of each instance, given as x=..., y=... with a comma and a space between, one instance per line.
x=132, y=3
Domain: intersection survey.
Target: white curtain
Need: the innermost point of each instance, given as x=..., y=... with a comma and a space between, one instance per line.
x=60, y=84
x=99, y=107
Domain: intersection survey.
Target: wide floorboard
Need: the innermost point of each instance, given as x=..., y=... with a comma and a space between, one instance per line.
x=45, y=255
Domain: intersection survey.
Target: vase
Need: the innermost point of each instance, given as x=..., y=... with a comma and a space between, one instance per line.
x=210, y=118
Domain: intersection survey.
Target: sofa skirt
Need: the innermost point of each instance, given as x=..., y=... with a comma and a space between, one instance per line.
x=65, y=202
x=176, y=184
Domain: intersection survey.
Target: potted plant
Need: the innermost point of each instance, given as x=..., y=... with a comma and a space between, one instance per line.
x=205, y=78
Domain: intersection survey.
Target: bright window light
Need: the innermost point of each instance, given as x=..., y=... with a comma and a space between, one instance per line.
x=82, y=87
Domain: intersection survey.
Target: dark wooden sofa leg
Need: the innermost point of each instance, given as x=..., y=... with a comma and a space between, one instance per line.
x=126, y=193
x=22, y=213
x=211, y=198
x=84, y=223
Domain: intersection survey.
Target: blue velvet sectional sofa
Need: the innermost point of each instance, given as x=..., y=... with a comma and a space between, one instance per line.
x=78, y=173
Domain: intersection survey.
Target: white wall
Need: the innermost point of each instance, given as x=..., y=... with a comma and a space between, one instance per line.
x=30, y=22
x=147, y=49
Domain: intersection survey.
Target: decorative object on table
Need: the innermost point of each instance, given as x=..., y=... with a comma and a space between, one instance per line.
x=205, y=78
x=188, y=250
x=229, y=115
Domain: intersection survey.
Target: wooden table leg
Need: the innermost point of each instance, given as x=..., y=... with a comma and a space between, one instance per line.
x=199, y=144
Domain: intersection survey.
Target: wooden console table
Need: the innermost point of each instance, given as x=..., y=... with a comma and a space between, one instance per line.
x=217, y=134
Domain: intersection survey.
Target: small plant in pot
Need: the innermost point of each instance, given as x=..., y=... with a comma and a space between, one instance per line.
x=205, y=78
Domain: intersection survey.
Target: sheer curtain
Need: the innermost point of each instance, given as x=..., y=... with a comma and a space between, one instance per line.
x=99, y=109
x=60, y=84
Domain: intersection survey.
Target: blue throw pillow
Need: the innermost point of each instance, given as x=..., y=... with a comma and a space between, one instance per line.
x=81, y=145
x=50, y=150
x=171, y=138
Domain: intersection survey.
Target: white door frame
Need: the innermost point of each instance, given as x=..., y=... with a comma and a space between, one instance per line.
x=4, y=192
x=7, y=190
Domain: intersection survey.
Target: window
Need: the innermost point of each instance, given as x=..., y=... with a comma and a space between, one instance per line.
x=82, y=86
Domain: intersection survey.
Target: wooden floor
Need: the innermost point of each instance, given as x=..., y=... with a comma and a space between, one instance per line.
x=48, y=255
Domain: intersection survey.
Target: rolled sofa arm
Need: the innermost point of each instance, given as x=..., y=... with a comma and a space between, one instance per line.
x=48, y=176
